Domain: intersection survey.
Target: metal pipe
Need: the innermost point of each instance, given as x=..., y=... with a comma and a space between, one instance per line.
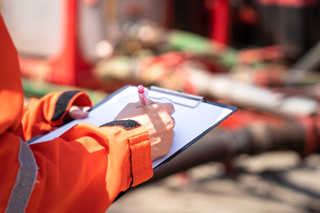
x=224, y=145
x=224, y=88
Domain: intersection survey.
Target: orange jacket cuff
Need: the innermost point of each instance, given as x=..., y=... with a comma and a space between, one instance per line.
x=141, y=158
x=62, y=102
x=140, y=153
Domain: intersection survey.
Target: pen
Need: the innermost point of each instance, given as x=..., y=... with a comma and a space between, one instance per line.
x=143, y=95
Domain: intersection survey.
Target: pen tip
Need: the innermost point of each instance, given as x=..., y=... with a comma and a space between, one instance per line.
x=141, y=89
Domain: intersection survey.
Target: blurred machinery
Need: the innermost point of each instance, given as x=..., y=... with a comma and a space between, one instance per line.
x=60, y=41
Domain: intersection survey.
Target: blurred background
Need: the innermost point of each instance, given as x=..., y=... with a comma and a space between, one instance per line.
x=262, y=56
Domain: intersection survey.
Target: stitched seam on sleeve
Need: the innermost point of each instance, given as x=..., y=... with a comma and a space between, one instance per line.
x=138, y=156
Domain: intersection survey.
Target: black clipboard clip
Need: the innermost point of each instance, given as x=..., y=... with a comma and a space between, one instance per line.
x=180, y=98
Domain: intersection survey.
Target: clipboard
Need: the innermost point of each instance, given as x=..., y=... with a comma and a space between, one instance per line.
x=194, y=116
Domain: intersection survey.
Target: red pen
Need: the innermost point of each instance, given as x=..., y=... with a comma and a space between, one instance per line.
x=143, y=95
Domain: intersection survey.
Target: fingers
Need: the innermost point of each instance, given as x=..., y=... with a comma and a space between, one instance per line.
x=151, y=101
x=77, y=112
x=138, y=104
x=173, y=120
x=85, y=109
x=170, y=108
x=167, y=106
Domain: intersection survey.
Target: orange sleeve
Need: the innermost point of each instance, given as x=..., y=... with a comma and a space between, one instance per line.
x=83, y=170
x=41, y=115
x=87, y=167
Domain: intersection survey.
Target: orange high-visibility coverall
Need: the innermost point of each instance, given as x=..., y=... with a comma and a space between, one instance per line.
x=83, y=170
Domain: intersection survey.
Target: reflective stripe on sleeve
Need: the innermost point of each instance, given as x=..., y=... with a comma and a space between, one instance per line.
x=25, y=181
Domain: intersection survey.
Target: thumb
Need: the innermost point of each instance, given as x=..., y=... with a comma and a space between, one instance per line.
x=77, y=112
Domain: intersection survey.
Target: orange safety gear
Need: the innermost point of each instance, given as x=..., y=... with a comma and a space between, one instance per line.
x=83, y=170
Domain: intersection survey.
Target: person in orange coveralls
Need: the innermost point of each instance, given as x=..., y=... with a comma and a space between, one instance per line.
x=85, y=168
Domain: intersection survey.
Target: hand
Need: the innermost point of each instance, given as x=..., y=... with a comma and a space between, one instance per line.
x=78, y=112
x=157, y=120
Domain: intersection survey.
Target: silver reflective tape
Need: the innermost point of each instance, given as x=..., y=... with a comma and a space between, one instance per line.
x=26, y=178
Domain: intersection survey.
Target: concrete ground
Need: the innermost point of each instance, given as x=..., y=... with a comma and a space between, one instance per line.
x=275, y=182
